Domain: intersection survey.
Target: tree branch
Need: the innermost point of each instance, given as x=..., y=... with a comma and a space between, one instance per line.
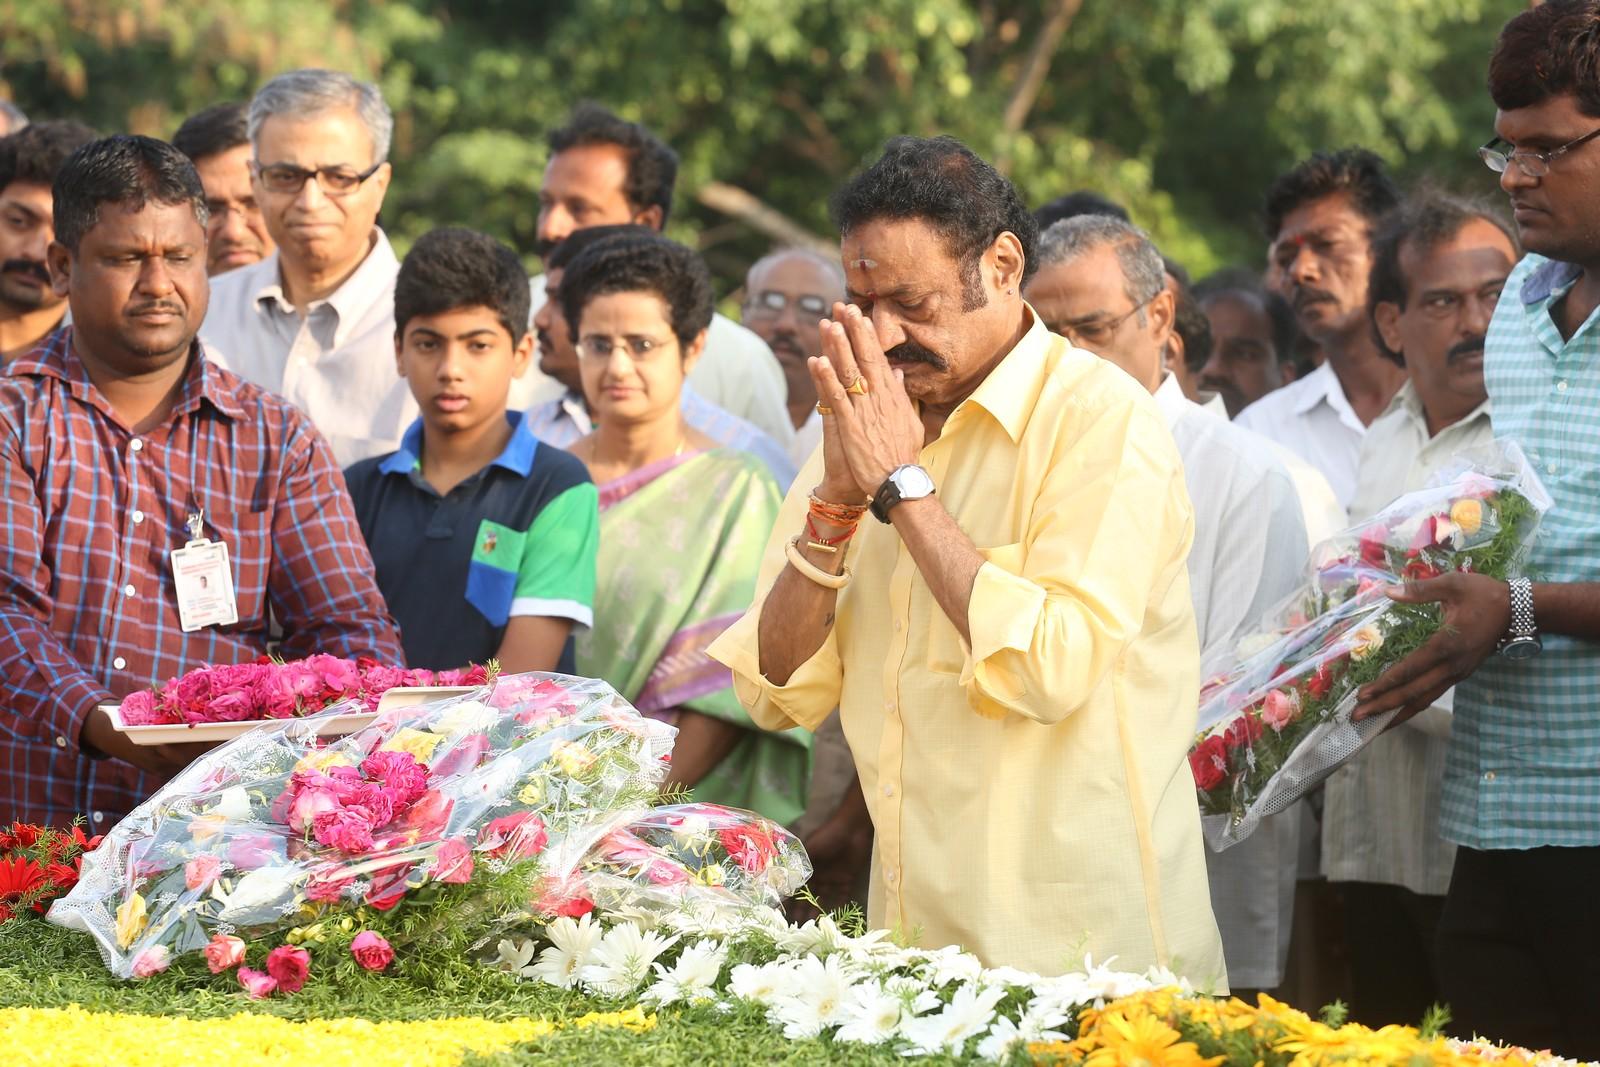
x=734, y=201
x=1037, y=65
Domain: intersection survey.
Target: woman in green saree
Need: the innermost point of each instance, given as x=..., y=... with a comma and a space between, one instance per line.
x=683, y=523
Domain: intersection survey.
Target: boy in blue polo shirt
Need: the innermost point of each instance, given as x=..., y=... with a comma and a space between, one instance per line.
x=484, y=539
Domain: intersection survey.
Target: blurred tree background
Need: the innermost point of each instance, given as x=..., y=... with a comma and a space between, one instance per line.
x=1182, y=109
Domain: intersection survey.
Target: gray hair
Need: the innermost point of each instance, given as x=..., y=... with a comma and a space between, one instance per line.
x=830, y=264
x=15, y=119
x=1143, y=273
x=303, y=93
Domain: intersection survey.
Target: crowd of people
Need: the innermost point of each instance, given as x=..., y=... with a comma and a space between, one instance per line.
x=925, y=557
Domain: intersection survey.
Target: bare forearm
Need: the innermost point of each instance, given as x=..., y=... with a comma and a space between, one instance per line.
x=1568, y=608
x=798, y=612
x=701, y=744
x=947, y=558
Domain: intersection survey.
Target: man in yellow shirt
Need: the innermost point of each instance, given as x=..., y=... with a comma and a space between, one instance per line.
x=1012, y=646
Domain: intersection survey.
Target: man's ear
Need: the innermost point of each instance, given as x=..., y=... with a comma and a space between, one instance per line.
x=1163, y=312
x=652, y=217
x=399, y=354
x=1006, y=261
x=522, y=355
x=1386, y=317
x=59, y=262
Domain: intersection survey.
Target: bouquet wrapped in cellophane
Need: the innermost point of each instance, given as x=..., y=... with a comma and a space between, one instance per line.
x=428, y=825
x=703, y=857
x=1276, y=720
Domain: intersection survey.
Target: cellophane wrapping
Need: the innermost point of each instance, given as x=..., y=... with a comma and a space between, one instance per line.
x=1276, y=716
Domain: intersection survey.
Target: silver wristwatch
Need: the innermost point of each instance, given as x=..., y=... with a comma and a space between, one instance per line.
x=1522, y=639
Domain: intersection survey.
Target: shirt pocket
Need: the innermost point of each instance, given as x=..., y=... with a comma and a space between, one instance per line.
x=947, y=653
x=248, y=535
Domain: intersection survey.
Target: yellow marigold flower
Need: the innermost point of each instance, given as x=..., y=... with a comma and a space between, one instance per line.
x=49, y=1037
x=1143, y=1041
x=132, y=918
x=420, y=743
x=1468, y=515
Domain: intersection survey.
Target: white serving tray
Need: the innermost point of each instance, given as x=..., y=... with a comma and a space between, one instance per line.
x=327, y=725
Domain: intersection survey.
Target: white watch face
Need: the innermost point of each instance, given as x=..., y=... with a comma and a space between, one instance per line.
x=912, y=483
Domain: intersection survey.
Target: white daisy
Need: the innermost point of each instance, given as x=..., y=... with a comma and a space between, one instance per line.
x=1005, y=1035
x=970, y=1012
x=762, y=983
x=620, y=963
x=692, y=978
x=514, y=955
x=819, y=996
x=572, y=946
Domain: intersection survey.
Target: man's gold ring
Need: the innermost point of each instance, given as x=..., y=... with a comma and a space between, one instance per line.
x=858, y=387
x=823, y=409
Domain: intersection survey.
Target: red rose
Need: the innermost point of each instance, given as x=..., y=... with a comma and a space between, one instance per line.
x=371, y=951
x=289, y=966
x=751, y=847
x=1374, y=547
x=1243, y=731
x=519, y=836
x=1209, y=762
x=1419, y=570
x=1320, y=682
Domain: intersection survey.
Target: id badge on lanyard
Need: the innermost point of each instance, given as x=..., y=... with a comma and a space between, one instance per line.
x=203, y=580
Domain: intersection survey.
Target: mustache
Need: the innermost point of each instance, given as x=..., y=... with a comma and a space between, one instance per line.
x=1472, y=346
x=911, y=352
x=543, y=246
x=31, y=267
x=1305, y=294
x=543, y=337
x=154, y=305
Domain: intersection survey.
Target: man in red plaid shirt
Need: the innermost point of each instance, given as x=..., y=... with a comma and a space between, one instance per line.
x=118, y=440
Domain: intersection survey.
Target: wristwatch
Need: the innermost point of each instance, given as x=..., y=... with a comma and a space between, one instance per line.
x=909, y=482
x=1522, y=639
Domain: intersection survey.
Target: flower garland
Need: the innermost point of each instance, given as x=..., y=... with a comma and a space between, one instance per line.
x=272, y=689
x=51, y=1037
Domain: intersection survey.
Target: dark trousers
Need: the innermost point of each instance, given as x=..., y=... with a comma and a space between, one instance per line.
x=1519, y=948
x=1390, y=932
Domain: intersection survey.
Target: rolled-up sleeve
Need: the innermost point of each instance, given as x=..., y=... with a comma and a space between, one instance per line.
x=1108, y=537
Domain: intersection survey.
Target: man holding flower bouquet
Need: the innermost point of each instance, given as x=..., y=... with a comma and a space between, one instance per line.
x=1520, y=936
x=988, y=579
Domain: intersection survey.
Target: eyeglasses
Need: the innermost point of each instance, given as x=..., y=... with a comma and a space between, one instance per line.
x=1533, y=164
x=1094, y=334
x=770, y=304
x=599, y=346
x=289, y=179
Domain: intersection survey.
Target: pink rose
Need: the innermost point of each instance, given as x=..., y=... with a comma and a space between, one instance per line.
x=289, y=966
x=139, y=709
x=273, y=696
x=152, y=960
x=403, y=779
x=429, y=814
x=223, y=951
x=301, y=682
x=660, y=872
x=371, y=951
x=518, y=836
x=1278, y=709
x=327, y=886
x=516, y=690
x=307, y=805
x=259, y=986
x=338, y=678
x=201, y=871
x=347, y=829
x=452, y=863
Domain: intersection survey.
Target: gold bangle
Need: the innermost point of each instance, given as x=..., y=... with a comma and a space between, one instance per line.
x=811, y=571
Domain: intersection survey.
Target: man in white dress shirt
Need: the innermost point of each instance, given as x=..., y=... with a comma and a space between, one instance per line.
x=1101, y=284
x=786, y=294
x=1438, y=268
x=1320, y=218
x=605, y=171
x=314, y=321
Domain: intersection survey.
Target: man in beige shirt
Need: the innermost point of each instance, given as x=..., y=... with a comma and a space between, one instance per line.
x=314, y=321
x=1008, y=635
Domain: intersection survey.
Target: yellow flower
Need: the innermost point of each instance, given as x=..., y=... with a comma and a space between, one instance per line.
x=419, y=743
x=572, y=757
x=321, y=761
x=1365, y=641
x=205, y=827
x=132, y=918
x=1143, y=1041
x=48, y=1037
x=1467, y=514
x=531, y=794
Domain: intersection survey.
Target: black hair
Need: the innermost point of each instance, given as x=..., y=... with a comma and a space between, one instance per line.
x=647, y=263
x=1548, y=50
x=652, y=166
x=35, y=153
x=1428, y=218
x=1189, y=322
x=452, y=268
x=571, y=246
x=1246, y=282
x=126, y=169
x=1356, y=172
x=1082, y=202
x=211, y=132
x=944, y=183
